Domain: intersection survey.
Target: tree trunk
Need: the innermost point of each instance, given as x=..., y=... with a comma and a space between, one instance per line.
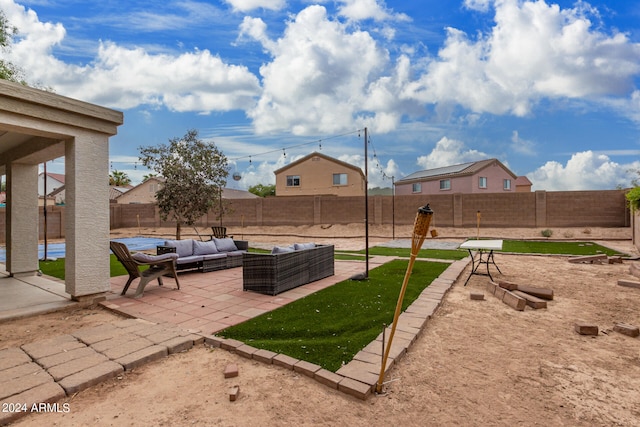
x=178, y=230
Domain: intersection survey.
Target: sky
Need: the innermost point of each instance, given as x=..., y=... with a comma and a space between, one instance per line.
x=551, y=89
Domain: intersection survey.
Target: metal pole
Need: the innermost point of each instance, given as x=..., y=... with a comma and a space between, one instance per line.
x=44, y=258
x=393, y=208
x=366, y=203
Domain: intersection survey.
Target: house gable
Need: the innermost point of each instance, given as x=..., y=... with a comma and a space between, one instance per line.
x=475, y=177
x=317, y=174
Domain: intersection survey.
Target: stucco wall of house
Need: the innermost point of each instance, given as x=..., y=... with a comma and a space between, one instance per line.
x=316, y=178
x=494, y=174
x=143, y=193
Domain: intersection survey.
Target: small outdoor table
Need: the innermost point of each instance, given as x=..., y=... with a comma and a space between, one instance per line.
x=482, y=247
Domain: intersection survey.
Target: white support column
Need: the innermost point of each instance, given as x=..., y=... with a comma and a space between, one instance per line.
x=22, y=219
x=87, y=215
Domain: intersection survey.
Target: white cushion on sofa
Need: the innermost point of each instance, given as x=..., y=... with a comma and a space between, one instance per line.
x=302, y=246
x=282, y=249
x=142, y=257
x=204, y=248
x=183, y=247
x=225, y=245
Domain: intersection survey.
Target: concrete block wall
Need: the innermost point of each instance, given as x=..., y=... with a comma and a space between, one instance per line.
x=539, y=209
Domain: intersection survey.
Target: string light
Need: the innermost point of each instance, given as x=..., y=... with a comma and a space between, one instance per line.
x=316, y=141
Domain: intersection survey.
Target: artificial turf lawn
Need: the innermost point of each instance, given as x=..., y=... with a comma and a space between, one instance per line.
x=330, y=326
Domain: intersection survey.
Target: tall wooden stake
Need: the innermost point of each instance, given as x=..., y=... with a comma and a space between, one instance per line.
x=420, y=229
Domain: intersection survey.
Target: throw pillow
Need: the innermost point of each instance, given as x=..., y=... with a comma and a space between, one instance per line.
x=225, y=245
x=183, y=247
x=282, y=249
x=302, y=246
x=204, y=248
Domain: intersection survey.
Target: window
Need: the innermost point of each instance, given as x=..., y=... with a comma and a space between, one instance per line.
x=339, y=179
x=507, y=184
x=293, y=180
x=417, y=187
x=482, y=182
x=445, y=184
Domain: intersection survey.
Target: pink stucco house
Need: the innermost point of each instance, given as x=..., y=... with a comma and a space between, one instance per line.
x=484, y=176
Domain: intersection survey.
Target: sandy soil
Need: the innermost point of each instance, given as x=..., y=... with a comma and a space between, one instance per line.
x=477, y=363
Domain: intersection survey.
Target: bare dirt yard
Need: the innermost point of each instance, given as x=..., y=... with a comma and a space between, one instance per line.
x=477, y=363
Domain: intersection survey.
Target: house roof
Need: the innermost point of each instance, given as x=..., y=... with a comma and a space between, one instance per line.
x=523, y=180
x=453, y=171
x=324, y=156
x=57, y=176
x=230, y=193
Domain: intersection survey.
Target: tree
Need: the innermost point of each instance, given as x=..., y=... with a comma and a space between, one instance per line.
x=119, y=179
x=147, y=176
x=8, y=71
x=195, y=173
x=263, y=190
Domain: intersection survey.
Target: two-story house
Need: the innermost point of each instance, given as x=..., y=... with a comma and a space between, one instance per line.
x=319, y=174
x=484, y=176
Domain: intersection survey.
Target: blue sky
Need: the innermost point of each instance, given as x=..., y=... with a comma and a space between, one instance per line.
x=551, y=89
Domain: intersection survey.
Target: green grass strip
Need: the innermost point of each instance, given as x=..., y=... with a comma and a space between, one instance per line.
x=453, y=254
x=556, y=248
x=330, y=326
x=56, y=268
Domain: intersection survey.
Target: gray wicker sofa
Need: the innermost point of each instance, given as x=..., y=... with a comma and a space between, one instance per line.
x=215, y=254
x=277, y=272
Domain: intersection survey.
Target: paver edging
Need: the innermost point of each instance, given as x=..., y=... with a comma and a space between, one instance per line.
x=345, y=384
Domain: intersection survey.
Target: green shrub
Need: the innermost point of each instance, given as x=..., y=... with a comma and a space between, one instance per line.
x=546, y=233
x=633, y=198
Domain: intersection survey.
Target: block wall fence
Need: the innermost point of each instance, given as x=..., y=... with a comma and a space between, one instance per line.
x=540, y=209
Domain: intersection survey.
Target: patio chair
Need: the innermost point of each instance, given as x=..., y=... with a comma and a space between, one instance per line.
x=219, y=232
x=159, y=265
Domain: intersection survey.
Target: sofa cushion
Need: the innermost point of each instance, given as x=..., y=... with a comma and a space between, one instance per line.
x=225, y=245
x=204, y=248
x=213, y=256
x=189, y=259
x=282, y=249
x=302, y=246
x=183, y=247
x=146, y=258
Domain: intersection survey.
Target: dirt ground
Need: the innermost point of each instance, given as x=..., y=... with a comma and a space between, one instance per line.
x=477, y=363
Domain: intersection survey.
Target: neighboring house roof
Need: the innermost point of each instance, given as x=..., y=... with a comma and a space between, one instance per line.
x=523, y=180
x=230, y=193
x=57, y=176
x=453, y=171
x=314, y=154
x=115, y=192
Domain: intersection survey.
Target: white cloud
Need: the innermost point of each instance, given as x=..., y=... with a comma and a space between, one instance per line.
x=534, y=51
x=522, y=146
x=358, y=10
x=128, y=77
x=318, y=76
x=248, y=5
x=449, y=152
x=583, y=171
x=479, y=5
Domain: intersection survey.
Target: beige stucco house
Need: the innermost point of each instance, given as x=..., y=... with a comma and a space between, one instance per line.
x=37, y=126
x=145, y=192
x=485, y=176
x=317, y=174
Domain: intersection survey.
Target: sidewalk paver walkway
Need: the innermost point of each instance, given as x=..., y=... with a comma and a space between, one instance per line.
x=166, y=321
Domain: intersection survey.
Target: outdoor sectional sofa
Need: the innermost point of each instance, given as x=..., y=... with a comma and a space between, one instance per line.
x=286, y=268
x=215, y=254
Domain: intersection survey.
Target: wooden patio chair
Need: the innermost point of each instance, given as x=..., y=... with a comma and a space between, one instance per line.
x=219, y=232
x=159, y=265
